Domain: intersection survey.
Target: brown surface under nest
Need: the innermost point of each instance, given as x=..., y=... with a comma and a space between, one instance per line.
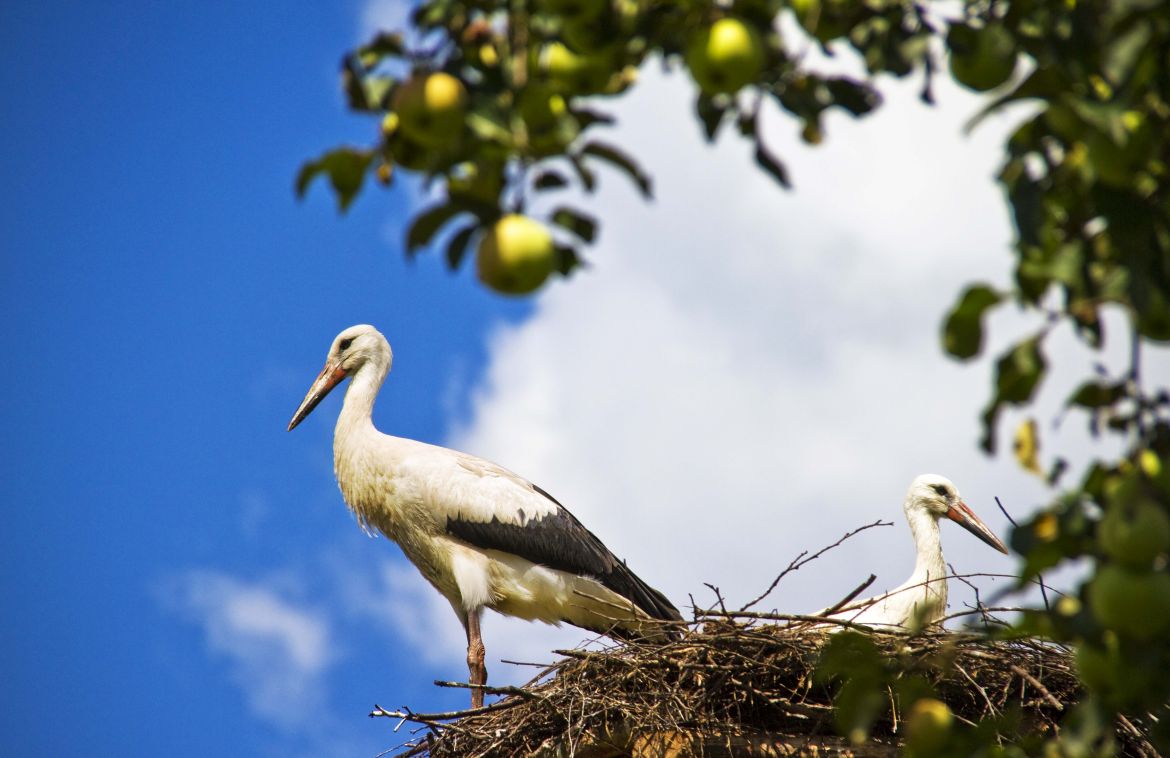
x=732, y=688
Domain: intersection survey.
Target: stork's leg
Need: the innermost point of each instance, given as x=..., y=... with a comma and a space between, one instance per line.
x=476, y=669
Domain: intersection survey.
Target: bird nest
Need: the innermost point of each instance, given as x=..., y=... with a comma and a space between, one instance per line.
x=731, y=686
x=744, y=682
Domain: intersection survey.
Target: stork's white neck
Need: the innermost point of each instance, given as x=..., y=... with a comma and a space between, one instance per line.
x=357, y=410
x=929, y=564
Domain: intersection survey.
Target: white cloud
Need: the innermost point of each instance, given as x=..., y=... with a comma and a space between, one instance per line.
x=277, y=650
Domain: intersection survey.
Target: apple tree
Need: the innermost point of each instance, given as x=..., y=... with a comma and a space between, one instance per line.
x=496, y=101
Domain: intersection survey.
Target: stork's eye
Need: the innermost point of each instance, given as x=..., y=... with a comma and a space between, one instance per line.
x=345, y=343
x=941, y=489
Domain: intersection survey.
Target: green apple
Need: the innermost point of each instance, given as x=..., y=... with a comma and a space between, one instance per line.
x=575, y=73
x=1135, y=536
x=516, y=255
x=430, y=108
x=928, y=724
x=725, y=56
x=1136, y=604
x=981, y=58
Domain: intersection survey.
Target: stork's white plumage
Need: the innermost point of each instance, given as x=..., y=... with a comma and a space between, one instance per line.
x=481, y=535
x=922, y=599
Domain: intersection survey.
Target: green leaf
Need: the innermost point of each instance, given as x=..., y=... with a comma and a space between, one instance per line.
x=1017, y=374
x=1093, y=394
x=963, y=329
x=746, y=123
x=547, y=180
x=1121, y=55
x=568, y=259
x=587, y=117
x=856, y=97
x=363, y=92
x=584, y=173
x=1019, y=371
x=1027, y=199
x=1043, y=83
x=346, y=168
x=457, y=247
x=384, y=44
x=351, y=84
x=576, y=222
x=711, y=115
x=623, y=162
x=489, y=126
x=427, y=223
x=432, y=13
x=770, y=163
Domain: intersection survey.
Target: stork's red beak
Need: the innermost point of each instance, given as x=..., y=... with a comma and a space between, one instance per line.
x=326, y=380
x=966, y=518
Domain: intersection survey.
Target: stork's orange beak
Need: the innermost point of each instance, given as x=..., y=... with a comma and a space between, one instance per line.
x=966, y=518
x=326, y=381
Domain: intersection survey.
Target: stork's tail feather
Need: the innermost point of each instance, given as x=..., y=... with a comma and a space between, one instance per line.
x=649, y=600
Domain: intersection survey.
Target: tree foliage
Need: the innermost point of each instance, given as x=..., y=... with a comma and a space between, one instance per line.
x=496, y=101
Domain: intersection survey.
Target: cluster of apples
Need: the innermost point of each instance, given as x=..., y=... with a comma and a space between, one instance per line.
x=427, y=119
x=575, y=48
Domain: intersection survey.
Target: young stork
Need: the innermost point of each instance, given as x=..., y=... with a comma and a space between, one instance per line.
x=922, y=599
x=481, y=535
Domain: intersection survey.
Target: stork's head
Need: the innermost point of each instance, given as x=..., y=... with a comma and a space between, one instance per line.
x=937, y=496
x=355, y=347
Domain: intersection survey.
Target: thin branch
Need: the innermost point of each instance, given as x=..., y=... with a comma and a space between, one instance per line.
x=985, y=610
x=434, y=720
x=848, y=598
x=975, y=589
x=785, y=617
x=488, y=690
x=718, y=595
x=1036, y=683
x=804, y=558
x=548, y=666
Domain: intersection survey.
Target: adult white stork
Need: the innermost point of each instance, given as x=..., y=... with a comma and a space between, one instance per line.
x=922, y=599
x=481, y=535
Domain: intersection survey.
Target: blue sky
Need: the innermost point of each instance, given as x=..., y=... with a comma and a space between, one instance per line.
x=166, y=303
x=742, y=375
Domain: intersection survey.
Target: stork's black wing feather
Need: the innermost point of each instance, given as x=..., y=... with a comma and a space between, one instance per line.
x=558, y=540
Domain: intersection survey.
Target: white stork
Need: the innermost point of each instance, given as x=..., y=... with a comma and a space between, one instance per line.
x=481, y=535
x=922, y=599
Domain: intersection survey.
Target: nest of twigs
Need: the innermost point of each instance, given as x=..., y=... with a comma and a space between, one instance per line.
x=744, y=682
x=734, y=688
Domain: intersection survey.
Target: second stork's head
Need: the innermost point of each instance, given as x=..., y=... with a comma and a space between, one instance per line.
x=354, y=348
x=938, y=497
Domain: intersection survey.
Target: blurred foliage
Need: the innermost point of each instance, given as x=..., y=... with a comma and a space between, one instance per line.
x=493, y=102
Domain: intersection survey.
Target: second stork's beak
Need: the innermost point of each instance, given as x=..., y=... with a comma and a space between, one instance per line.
x=966, y=518
x=326, y=380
